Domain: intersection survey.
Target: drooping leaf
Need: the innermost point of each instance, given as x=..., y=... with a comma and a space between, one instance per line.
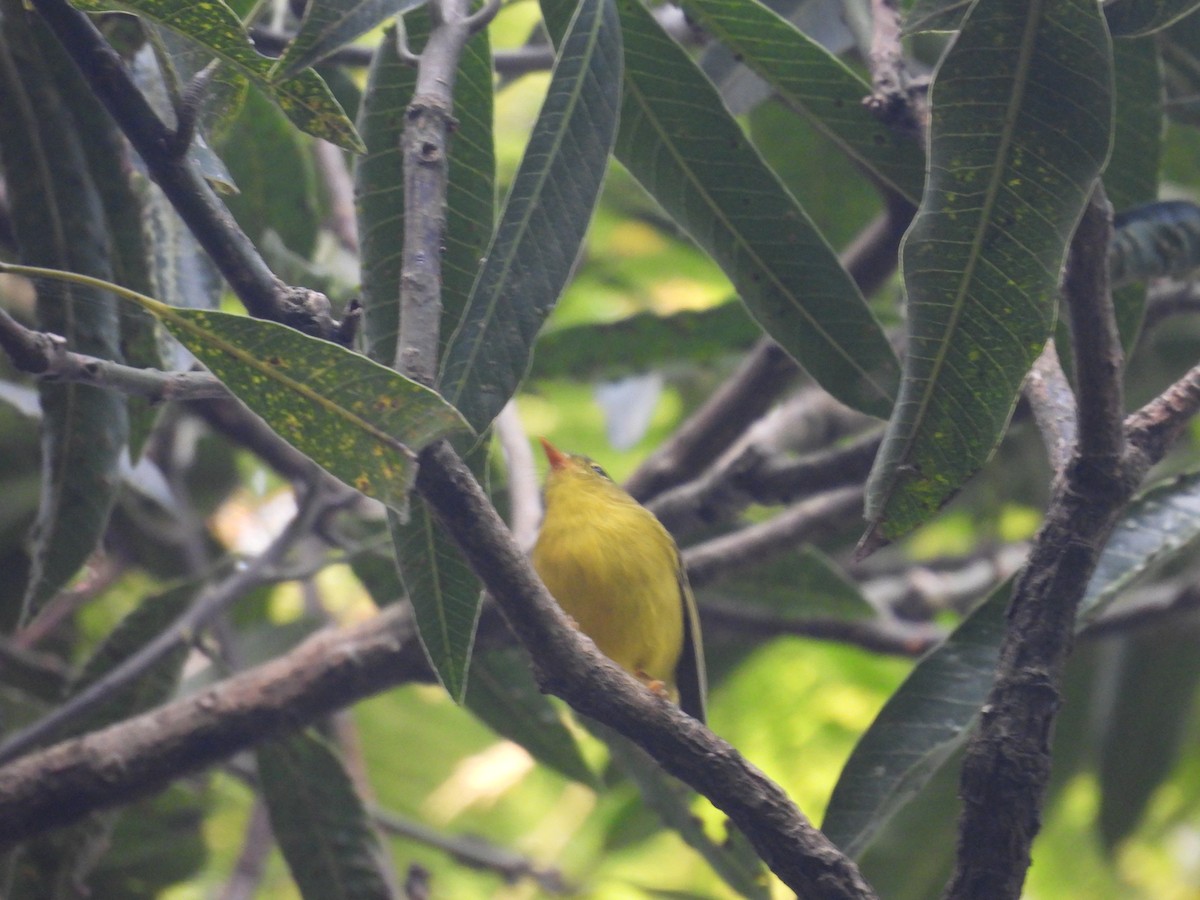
x=1155, y=240
x=544, y=220
x=1154, y=676
x=918, y=729
x=59, y=220
x=689, y=153
x=502, y=692
x=275, y=177
x=319, y=821
x=330, y=25
x=1155, y=527
x=734, y=859
x=360, y=421
x=304, y=99
x=1022, y=116
x=1134, y=18
x=444, y=592
x=814, y=82
x=1131, y=176
x=642, y=342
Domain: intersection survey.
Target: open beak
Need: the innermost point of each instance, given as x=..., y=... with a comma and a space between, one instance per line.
x=557, y=458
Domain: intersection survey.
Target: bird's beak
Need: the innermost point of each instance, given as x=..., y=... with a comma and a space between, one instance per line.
x=557, y=458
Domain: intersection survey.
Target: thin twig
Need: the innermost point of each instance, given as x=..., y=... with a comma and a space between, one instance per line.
x=765, y=374
x=875, y=635
x=206, y=608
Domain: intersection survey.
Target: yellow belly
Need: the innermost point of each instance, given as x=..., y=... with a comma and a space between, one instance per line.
x=623, y=594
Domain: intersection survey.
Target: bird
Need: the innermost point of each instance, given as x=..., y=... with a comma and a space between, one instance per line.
x=618, y=573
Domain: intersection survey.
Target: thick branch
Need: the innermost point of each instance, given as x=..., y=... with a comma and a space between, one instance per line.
x=141, y=755
x=1007, y=765
x=570, y=667
x=264, y=295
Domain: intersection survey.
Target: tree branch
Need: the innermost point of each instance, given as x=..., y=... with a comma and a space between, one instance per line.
x=571, y=667
x=765, y=374
x=1007, y=764
x=264, y=295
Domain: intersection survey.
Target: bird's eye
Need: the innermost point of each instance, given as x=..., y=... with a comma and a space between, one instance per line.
x=599, y=471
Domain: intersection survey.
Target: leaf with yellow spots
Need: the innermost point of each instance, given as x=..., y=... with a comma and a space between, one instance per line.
x=358, y=420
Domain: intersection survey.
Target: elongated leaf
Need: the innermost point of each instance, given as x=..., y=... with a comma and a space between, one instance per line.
x=444, y=592
x=734, y=859
x=1157, y=526
x=1131, y=176
x=329, y=25
x=320, y=822
x=1155, y=678
x=1155, y=240
x=918, y=729
x=642, y=342
x=935, y=15
x=544, y=219
x=1133, y=18
x=689, y=153
x=504, y=695
x=362, y=422
x=817, y=84
x=1022, y=117
x=305, y=99
x=59, y=221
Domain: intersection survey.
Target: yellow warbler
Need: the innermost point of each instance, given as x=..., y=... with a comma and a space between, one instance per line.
x=616, y=571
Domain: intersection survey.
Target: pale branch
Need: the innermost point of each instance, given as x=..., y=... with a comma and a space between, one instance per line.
x=524, y=497
x=264, y=295
x=755, y=476
x=47, y=357
x=339, y=191
x=721, y=556
x=895, y=98
x=766, y=372
x=1153, y=428
x=1007, y=763
x=876, y=635
x=139, y=756
x=207, y=606
x=1052, y=402
x=569, y=665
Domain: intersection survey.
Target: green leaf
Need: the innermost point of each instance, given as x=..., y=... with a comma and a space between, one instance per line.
x=1154, y=528
x=379, y=188
x=544, y=220
x=1155, y=675
x=689, y=153
x=320, y=822
x=444, y=592
x=816, y=84
x=801, y=585
x=331, y=24
x=935, y=15
x=274, y=172
x=502, y=692
x=918, y=729
x=642, y=342
x=358, y=420
x=734, y=859
x=59, y=220
x=1133, y=18
x=1131, y=177
x=305, y=99
x=1022, y=115
x=1156, y=240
